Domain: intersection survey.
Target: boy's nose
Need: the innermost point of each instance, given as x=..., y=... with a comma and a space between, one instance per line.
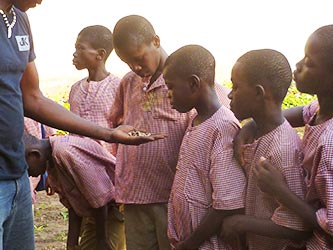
x=299, y=65
x=230, y=95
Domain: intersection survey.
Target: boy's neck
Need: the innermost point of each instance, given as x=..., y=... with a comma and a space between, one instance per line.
x=268, y=121
x=325, y=109
x=98, y=74
x=207, y=107
x=159, y=70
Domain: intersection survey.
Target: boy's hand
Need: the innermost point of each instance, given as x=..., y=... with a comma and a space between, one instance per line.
x=270, y=180
x=232, y=227
x=48, y=188
x=245, y=136
x=121, y=135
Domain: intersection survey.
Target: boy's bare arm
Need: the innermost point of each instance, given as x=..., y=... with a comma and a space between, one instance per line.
x=294, y=116
x=209, y=226
x=240, y=224
x=271, y=181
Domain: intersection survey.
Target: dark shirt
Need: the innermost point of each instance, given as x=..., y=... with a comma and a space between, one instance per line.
x=15, y=53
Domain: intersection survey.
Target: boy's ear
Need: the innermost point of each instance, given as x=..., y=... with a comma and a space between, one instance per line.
x=156, y=41
x=33, y=154
x=101, y=54
x=194, y=82
x=260, y=91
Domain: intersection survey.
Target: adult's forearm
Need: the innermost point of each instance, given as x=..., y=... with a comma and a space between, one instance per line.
x=54, y=115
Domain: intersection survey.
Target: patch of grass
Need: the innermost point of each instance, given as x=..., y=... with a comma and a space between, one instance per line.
x=39, y=228
x=64, y=214
x=62, y=236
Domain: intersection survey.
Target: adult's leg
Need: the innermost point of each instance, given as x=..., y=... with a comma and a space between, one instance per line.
x=17, y=225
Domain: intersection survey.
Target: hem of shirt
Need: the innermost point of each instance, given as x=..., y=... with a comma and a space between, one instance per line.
x=231, y=204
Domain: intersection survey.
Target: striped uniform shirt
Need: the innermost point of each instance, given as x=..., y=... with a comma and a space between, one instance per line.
x=83, y=173
x=144, y=173
x=33, y=127
x=318, y=166
x=93, y=101
x=282, y=147
x=309, y=111
x=207, y=176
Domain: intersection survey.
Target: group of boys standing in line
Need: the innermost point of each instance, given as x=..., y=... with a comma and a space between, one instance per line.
x=187, y=191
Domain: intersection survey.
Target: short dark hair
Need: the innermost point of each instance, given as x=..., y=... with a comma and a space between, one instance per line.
x=99, y=37
x=29, y=140
x=193, y=59
x=325, y=35
x=132, y=30
x=270, y=68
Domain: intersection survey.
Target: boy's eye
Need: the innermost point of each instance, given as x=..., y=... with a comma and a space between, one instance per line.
x=308, y=62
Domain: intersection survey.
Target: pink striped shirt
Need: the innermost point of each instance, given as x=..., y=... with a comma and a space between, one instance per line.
x=93, y=101
x=309, y=111
x=144, y=173
x=33, y=127
x=318, y=166
x=222, y=93
x=83, y=173
x=207, y=176
x=282, y=147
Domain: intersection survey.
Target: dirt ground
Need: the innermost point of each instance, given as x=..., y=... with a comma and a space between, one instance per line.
x=50, y=223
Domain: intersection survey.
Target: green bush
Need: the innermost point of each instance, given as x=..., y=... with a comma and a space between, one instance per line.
x=295, y=98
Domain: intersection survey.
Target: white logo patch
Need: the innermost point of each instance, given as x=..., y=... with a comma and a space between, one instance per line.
x=23, y=43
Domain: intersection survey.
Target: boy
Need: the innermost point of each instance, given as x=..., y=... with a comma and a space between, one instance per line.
x=144, y=174
x=260, y=81
x=92, y=99
x=209, y=185
x=82, y=172
x=313, y=75
x=41, y=131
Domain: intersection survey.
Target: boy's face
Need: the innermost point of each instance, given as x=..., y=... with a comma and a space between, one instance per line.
x=143, y=60
x=311, y=71
x=85, y=56
x=179, y=91
x=242, y=94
